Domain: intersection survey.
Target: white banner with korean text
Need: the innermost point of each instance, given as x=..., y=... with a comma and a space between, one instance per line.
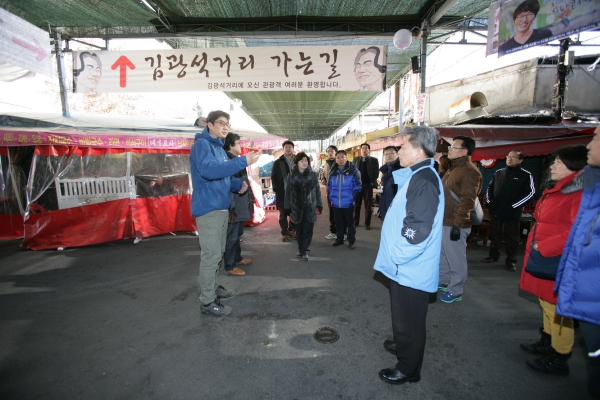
x=329, y=68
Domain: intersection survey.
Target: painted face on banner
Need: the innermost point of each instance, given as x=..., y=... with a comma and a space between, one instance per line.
x=89, y=77
x=523, y=21
x=367, y=74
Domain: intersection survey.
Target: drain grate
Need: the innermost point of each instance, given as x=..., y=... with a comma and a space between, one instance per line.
x=326, y=335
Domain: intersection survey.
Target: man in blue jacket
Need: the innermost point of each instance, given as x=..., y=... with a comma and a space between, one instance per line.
x=212, y=179
x=578, y=277
x=409, y=251
x=343, y=189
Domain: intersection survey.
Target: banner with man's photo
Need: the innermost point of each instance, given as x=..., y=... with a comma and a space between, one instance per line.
x=521, y=24
x=325, y=68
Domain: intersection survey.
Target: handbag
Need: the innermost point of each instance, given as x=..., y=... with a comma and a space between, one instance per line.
x=476, y=213
x=539, y=266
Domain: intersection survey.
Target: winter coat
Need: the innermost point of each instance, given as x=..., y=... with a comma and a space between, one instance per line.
x=389, y=187
x=242, y=204
x=464, y=179
x=344, y=185
x=327, y=169
x=372, y=170
x=411, y=236
x=212, y=174
x=279, y=174
x=508, y=191
x=554, y=215
x=578, y=278
x=303, y=194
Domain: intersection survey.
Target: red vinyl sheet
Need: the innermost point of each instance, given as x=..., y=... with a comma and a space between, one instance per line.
x=11, y=226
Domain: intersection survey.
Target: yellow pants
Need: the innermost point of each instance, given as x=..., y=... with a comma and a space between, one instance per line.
x=563, y=336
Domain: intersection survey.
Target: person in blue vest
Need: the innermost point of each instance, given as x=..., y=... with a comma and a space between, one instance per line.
x=578, y=277
x=409, y=251
x=212, y=172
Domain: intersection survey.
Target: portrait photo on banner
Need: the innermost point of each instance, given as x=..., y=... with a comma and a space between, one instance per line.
x=521, y=24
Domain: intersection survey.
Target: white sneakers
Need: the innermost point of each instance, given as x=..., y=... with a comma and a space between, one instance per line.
x=331, y=236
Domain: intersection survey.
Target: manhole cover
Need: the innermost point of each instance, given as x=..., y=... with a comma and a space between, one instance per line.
x=326, y=334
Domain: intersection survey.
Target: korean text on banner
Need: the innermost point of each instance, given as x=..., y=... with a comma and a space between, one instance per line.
x=328, y=68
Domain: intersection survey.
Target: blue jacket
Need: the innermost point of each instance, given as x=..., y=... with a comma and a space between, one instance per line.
x=411, y=236
x=212, y=174
x=389, y=187
x=344, y=185
x=578, y=277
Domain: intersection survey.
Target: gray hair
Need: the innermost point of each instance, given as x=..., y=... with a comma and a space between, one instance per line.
x=423, y=137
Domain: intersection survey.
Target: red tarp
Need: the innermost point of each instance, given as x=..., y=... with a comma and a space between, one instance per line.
x=11, y=226
x=106, y=222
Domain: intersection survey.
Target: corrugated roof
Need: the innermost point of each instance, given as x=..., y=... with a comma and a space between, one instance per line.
x=251, y=23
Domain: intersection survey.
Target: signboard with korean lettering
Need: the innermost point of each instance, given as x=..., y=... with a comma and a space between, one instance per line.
x=520, y=24
x=328, y=68
x=24, y=45
x=419, y=107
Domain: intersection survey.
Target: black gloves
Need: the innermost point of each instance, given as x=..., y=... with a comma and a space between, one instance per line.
x=455, y=233
x=287, y=211
x=320, y=208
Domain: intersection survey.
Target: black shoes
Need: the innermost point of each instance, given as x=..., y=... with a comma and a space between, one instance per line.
x=351, y=246
x=541, y=347
x=511, y=266
x=337, y=243
x=390, y=346
x=395, y=377
x=552, y=363
x=490, y=259
x=368, y=227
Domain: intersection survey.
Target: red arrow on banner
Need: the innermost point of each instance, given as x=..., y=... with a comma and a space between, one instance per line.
x=123, y=62
x=41, y=53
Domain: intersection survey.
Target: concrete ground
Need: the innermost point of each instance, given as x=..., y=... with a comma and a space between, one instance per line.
x=122, y=321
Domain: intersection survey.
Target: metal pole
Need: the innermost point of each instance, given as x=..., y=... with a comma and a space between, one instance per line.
x=424, y=34
x=401, y=105
x=558, y=102
x=61, y=75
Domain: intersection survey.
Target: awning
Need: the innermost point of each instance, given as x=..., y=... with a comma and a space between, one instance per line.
x=496, y=141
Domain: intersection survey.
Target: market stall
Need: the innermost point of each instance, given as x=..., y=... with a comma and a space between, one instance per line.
x=92, y=179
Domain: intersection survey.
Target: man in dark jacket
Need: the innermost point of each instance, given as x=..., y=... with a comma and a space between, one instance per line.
x=329, y=163
x=281, y=168
x=463, y=180
x=369, y=172
x=392, y=163
x=507, y=193
x=242, y=208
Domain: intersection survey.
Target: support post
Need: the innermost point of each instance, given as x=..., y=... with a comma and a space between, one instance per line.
x=558, y=102
x=424, y=34
x=61, y=75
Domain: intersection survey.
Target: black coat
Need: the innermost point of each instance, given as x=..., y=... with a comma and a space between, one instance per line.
x=372, y=170
x=389, y=187
x=303, y=194
x=509, y=190
x=279, y=174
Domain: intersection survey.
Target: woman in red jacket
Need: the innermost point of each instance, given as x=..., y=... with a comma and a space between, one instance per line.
x=554, y=214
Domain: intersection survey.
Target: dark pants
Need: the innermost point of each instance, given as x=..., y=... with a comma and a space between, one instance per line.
x=233, y=250
x=342, y=214
x=285, y=223
x=511, y=238
x=331, y=218
x=366, y=195
x=591, y=333
x=409, y=314
x=304, y=234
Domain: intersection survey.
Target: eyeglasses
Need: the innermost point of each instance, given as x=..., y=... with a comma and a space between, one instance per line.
x=223, y=123
x=523, y=16
x=513, y=157
x=456, y=148
x=390, y=154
